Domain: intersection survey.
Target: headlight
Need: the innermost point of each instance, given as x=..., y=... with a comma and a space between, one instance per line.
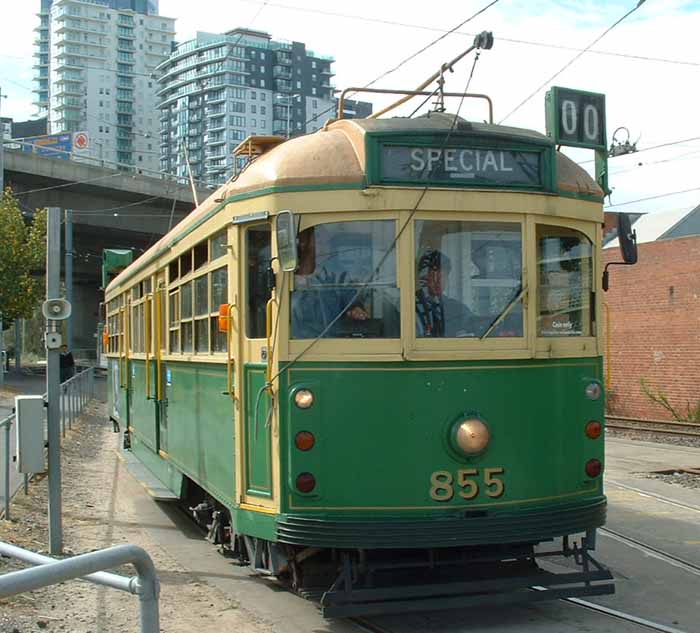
x=471, y=436
x=593, y=391
x=303, y=398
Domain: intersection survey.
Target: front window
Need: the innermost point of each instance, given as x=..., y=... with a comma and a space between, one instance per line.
x=565, y=277
x=345, y=286
x=468, y=279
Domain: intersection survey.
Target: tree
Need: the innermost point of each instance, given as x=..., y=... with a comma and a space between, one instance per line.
x=22, y=256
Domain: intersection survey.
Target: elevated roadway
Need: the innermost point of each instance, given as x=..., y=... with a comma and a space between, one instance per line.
x=110, y=209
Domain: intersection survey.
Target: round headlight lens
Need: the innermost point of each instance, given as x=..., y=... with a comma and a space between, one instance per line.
x=593, y=391
x=471, y=436
x=303, y=398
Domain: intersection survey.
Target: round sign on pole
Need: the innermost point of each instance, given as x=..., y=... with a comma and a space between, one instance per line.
x=80, y=140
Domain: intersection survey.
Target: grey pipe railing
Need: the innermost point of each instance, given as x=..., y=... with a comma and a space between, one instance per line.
x=89, y=567
x=6, y=423
x=76, y=393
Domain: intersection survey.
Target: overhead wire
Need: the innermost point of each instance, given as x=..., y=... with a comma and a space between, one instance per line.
x=572, y=60
x=423, y=27
x=410, y=57
x=656, y=197
x=647, y=149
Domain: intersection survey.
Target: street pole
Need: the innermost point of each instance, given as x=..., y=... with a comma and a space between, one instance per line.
x=68, y=274
x=18, y=345
x=53, y=380
x=2, y=195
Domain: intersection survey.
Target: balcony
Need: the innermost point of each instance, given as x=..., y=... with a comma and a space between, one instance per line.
x=281, y=72
x=125, y=107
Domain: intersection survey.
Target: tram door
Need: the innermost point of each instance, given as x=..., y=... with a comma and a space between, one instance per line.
x=257, y=440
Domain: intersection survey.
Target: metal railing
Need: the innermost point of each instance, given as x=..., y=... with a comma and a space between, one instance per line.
x=76, y=392
x=89, y=567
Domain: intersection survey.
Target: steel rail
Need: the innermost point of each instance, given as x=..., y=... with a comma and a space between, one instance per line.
x=625, y=418
x=672, y=559
x=646, y=429
x=621, y=615
x=653, y=495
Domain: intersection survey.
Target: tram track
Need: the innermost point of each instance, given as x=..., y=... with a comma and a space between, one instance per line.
x=683, y=429
x=678, y=562
x=671, y=559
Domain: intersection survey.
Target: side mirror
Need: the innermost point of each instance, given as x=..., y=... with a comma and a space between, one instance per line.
x=628, y=239
x=286, y=241
x=628, y=247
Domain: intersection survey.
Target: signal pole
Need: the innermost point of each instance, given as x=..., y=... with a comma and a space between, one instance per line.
x=53, y=380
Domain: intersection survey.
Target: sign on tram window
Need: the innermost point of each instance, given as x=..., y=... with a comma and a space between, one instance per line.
x=462, y=166
x=576, y=118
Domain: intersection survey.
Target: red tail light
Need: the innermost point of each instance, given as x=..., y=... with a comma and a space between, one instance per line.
x=304, y=440
x=306, y=482
x=594, y=430
x=593, y=468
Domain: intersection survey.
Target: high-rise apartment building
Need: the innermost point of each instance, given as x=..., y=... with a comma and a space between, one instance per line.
x=96, y=61
x=216, y=90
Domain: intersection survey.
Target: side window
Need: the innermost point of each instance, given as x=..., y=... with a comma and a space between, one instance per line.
x=174, y=324
x=565, y=278
x=258, y=242
x=219, y=296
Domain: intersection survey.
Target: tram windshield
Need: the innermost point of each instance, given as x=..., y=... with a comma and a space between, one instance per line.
x=468, y=279
x=345, y=286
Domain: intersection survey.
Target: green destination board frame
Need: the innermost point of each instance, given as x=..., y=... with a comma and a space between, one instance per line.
x=576, y=118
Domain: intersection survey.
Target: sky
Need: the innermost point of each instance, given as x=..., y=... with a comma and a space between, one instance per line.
x=648, y=66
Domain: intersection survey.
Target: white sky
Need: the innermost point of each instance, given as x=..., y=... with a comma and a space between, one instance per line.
x=656, y=101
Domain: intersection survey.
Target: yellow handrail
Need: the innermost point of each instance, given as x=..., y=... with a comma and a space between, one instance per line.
x=229, y=358
x=268, y=334
x=121, y=339
x=608, y=344
x=147, y=326
x=159, y=334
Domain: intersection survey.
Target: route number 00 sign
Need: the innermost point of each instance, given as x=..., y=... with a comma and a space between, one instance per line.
x=576, y=118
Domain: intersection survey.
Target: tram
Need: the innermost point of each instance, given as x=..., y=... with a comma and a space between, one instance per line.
x=371, y=362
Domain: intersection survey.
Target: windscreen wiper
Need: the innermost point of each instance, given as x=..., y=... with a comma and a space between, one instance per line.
x=506, y=311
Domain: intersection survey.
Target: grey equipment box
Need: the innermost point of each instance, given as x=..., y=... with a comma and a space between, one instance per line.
x=30, y=419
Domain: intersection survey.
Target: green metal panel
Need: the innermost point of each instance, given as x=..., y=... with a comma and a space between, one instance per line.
x=257, y=438
x=255, y=524
x=382, y=430
x=143, y=410
x=200, y=431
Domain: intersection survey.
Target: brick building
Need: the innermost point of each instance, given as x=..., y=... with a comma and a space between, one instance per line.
x=654, y=318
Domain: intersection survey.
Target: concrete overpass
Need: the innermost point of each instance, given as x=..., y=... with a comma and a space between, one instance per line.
x=110, y=209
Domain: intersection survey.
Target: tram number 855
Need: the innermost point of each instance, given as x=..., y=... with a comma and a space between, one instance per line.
x=443, y=482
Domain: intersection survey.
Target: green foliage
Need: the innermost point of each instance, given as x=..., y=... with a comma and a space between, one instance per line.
x=692, y=413
x=22, y=252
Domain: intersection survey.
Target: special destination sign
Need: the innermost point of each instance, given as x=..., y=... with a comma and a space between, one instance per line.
x=461, y=166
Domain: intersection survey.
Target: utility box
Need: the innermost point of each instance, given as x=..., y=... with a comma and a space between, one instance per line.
x=30, y=416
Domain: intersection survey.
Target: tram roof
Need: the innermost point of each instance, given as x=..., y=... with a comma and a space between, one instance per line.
x=336, y=155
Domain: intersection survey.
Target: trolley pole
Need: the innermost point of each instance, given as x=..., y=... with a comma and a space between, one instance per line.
x=53, y=380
